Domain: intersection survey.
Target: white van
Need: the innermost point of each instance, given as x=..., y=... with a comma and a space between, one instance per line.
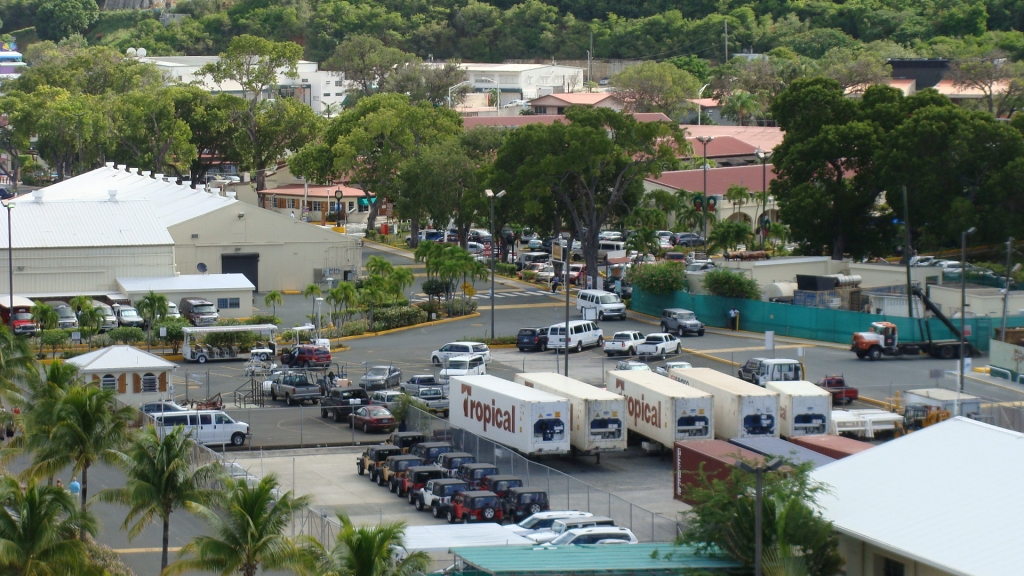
x=582, y=334
x=212, y=427
x=469, y=365
x=607, y=304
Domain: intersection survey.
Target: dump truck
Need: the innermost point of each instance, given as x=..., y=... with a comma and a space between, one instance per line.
x=741, y=409
x=663, y=410
x=804, y=408
x=595, y=415
x=882, y=339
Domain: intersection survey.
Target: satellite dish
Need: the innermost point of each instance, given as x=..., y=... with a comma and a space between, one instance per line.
x=130, y=52
x=201, y=267
x=141, y=52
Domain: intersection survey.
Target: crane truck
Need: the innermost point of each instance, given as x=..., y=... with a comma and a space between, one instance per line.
x=883, y=339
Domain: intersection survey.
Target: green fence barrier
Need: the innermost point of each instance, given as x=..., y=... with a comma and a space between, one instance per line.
x=810, y=323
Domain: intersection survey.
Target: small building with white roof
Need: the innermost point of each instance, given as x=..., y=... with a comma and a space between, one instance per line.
x=940, y=501
x=125, y=369
x=232, y=293
x=516, y=82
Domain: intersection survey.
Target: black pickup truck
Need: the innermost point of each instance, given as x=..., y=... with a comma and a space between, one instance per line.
x=341, y=401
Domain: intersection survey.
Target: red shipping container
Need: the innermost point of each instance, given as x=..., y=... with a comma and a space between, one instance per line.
x=832, y=446
x=718, y=457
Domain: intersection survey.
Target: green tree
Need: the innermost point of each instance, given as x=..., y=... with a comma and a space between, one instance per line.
x=644, y=241
x=444, y=180
x=854, y=69
x=738, y=196
x=160, y=479
x=697, y=67
x=399, y=280
x=54, y=339
x=366, y=62
x=175, y=336
x=16, y=363
x=248, y=534
x=740, y=106
x=369, y=551
x=273, y=298
x=46, y=317
x=661, y=278
x=149, y=133
x=1000, y=80
x=727, y=234
x=428, y=83
x=58, y=19
x=379, y=266
x=342, y=295
x=724, y=282
x=210, y=125
x=152, y=307
x=656, y=87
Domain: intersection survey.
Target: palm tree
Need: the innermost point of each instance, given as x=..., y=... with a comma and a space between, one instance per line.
x=398, y=280
x=248, y=534
x=42, y=392
x=16, y=361
x=372, y=294
x=39, y=528
x=161, y=479
x=740, y=105
x=429, y=252
x=46, y=317
x=273, y=298
x=344, y=294
x=80, y=303
x=91, y=319
x=152, y=306
x=314, y=291
x=367, y=551
x=644, y=241
x=378, y=266
x=738, y=195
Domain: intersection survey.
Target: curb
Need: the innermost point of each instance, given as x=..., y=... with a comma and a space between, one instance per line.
x=710, y=357
x=653, y=320
x=403, y=328
x=493, y=346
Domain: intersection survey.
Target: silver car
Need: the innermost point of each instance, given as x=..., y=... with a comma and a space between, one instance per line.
x=381, y=377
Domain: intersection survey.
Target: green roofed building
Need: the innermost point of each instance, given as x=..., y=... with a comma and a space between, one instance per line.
x=603, y=560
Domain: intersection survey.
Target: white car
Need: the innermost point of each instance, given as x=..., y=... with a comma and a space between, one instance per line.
x=437, y=357
x=664, y=370
x=386, y=398
x=516, y=103
x=631, y=365
x=595, y=535
x=474, y=248
x=543, y=521
x=623, y=343
x=610, y=235
x=469, y=365
x=659, y=344
x=546, y=274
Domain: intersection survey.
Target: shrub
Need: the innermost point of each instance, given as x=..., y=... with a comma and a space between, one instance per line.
x=660, y=278
x=505, y=269
x=433, y=288
x=401, y=302
x=55, y=338
x=397, y=317
x=460, y=307
x=430, y=308
x=529, y=275
x=722, y=282
x=288, y=335
x=127, y=334
x=263, y=319
x=354, y=328
x=174, y=336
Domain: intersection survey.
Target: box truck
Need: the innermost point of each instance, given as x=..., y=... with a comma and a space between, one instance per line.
x=663, y=410
x=525, y=419
x=804, y=408
x=741, y=409
x=595, y=415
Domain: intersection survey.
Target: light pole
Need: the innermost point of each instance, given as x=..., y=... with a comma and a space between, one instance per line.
x=758, y=473
x=699, y=92
x=705, y=140
x=338, y=208
x=450, y=103
x=10, y=265
x=492, y=196
x=764, y=156
x=963, y=304
x=317, y=306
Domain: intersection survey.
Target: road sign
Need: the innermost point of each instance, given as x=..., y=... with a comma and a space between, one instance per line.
x=936, y=373
x=967, y=330
x=556, y=252
x=468, y=289
x=769, y=340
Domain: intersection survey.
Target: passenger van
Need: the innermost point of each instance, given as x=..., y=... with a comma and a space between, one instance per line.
x=582, y=334
x=107, y=312
x=607, y=304
x=527, y=258
x=211, y=427
x=198, y=311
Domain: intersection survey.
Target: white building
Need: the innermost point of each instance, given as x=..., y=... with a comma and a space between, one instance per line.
x=317, y=88
x=231, y=293
x=523, y=81
x=127, y=370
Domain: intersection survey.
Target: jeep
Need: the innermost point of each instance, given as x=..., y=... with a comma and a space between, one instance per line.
x=395, y=464
x=475, y=506
x=451, y=461
x=500, y=483
x=437, y=495
x=472, y=474
x=680, y=322
x=415, y=478
x=429, y=451
x=518, y=503
x=373, y=457
x=306, y=356
x=405, y=440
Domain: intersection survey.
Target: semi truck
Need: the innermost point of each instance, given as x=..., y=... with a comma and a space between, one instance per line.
x=528, y=420
x=883, y=339
x=804, y=408
x=663, y=410
x=595, y=415
x=741, y=409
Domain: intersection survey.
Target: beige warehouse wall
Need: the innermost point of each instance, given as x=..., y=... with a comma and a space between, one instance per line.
x=83, y=270
x=863, y=559
x=983, y=301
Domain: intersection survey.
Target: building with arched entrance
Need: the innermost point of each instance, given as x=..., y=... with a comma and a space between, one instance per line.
x=134, y=374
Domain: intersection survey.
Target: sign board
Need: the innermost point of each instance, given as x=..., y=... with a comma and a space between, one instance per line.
x=799, y=351
x=967, y=364
x=936, y=373
x=76, y=336
x=589, y=313
x=468, y=289
x=163, y=331
x=769, y=340
x=967, y=330
x=556, y=251
x=389, y=209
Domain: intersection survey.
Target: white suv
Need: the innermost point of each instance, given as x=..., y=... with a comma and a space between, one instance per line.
x=543, y=521
x=607, y=304
x=469, y=365
x=582, y=334
x=437, y=357
x=595, y=535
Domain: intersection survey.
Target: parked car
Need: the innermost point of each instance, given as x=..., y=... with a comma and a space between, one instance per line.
x=306, y=356
x=624, y=343
x=429, y=451
x=526, y=258
x=414, y=383
x=468, y=365
x=437, y=357
x=577, y=274
x=474, y=248
x=607, y=304
x=535, y=267
x=414, y=479
x=595, y=535
x=631, y=365
x=563, y=525
x=172, y=311
x=373, y=457
x=405, y=440
x=340, y=401
x=763, y=370
x=129, y=316
x=546, y=273
x=381, y=377
x=519, y=503
x=394, y=464
x=534, y=244
x=427, y=236
x=610, y=235
x=544, y=521
x=841, y=393
x=161, y=407
x=199, y=311
x=681, y=322
x=582, y=333
x=372, y=419
x=532, y=339
x=664, y=370
x=473, y=473
x=437, y=495
x=386, y=398
x=659, y=344
x=688, y=239
x=451, y=461
x=294, y=388
x=475, y=506
x=500, y=483
x=434, y=400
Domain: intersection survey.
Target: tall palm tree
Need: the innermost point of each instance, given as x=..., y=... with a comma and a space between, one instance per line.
x=428, y=253
x=152, y=307
x=80, y=303
x=46, y=317
x=248, y=535
x=644, y=241
x=273, y=298
x=314, y=291
x=41, y=396
x=342, y=295
x=738, y=195
x=91, y=320
x=740, y=105
x=372, y=294
x=378, y=266
x=16, y=361
x=161, y=479
x=398, y=280
x=39, y=528
x=367, y=551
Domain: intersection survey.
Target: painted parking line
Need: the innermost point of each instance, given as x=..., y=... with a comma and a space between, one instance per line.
x=514, y=306
x=749, y=348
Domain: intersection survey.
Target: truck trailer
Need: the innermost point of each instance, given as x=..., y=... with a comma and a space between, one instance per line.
x=741, y=409
x=804, y=408
x=943, y=399
x=527, y=420
x=595, y=414
x=663, y=410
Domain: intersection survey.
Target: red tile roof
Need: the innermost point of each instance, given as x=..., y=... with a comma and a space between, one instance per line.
x=719, y=179
x=314, y=191
x=587, y=98
x=764, y=137
x=516, y=121
x=721, y=147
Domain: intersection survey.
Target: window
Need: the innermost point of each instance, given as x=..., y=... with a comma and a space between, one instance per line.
x=108, y=382
x=291, y=203
x=351, y=205
x=891, y=567
x=364, y=207
x=205, y=419
x=315, y=205
x=223, y=419
x=172, y=421
x=305, y=80
x=149, y=383
x=227, y=303
x=337, y=82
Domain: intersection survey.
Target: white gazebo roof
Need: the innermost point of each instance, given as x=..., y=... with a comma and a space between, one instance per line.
x=120, y=358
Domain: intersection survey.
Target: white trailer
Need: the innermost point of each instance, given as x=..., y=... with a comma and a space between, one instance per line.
x=595, y=414
x=945, y=400
x=663, y=410
x=528, y=420
x=804, y=408
x=742, y=409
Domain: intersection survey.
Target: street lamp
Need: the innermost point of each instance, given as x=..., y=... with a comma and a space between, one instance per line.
x=317, y=306
x=699, y=92
x=764, y=156
x=10, y=265
x=963, y=304
x=490, y=194
x=337, y=207
x=758, y=472
x=464, y=82
x=705, y=140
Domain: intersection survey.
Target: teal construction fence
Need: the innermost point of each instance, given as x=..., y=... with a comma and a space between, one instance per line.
x=811, y=323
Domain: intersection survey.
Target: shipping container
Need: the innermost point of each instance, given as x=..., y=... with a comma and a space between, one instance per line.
x=944, y=400
x=661, y=409
x=804, y=408
x=832, y=446
x=528, y=420
x=716, y=458
x=596, y=416
x=742, y=409
x=771, y=447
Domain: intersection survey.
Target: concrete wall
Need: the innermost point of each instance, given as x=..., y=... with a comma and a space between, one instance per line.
x=980, y=301
x=864, y=559
x=88, y=270
x=892, y=275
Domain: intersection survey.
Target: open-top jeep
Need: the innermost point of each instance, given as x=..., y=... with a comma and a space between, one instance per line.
x=405, y=440
x=475, y=506
x=437, y=495
x=394, y=464
x=371, y=458
x=416, y=477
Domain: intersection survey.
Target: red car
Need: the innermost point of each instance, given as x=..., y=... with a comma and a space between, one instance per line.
x=577, y=274
x=475, y=506
x=415, y=478
x=306, y=356
x=373, y=419
x=841, y=393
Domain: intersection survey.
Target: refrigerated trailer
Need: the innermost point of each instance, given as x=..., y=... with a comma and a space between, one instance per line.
x=804, y=408
x=742, y=409
x=662, y=410
x=528, y=420
x=595, y=415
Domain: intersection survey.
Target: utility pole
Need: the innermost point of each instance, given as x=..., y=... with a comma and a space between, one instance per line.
x=726, y=40
x=1006, y=292
x=907, y=253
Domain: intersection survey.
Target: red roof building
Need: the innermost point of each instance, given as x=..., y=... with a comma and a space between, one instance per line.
x=517, y=121
x=719, y=179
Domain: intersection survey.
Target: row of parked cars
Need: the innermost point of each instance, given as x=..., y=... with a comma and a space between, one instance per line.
x=453, y=485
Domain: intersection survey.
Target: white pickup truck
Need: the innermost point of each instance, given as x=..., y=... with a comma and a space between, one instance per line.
x=625, y=343
x=659, y=344
x=437, y=495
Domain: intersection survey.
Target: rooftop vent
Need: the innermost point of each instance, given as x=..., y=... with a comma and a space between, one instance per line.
x=38, y=195
x=231, y=195
x=111, y=164
x=113, y=195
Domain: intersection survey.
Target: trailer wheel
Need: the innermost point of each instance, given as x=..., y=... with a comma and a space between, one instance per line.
x=201, y=359
x=947, y=352
x=875, y=353
x=861, y=354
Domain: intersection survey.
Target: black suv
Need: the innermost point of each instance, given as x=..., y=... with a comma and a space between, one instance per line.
x=373, y=457
x=342, y=401
x=405, y=440
x=474, y=473
x=522, y=502
x=687, y=239
x=532, y=339
x=451, y=461
x=429, y=451
x=500, y=483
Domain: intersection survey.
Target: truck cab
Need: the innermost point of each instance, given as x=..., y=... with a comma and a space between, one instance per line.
x=24, y=324
x=760, y=371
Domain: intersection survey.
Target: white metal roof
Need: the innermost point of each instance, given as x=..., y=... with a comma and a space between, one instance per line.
x=115, y=358
x=186, y=282
x=63, y=224
x=171, y=203
x=484, y=67
x=945, y=496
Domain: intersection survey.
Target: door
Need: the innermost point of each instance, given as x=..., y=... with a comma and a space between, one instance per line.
x=206, y=432
x=247, y=264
